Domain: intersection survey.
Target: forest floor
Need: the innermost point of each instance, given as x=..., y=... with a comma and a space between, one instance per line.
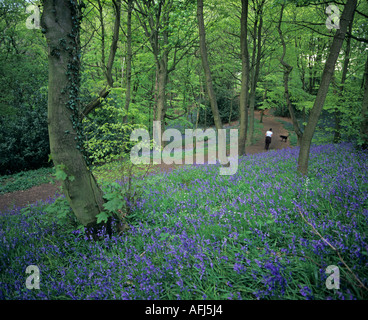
x=48, y=190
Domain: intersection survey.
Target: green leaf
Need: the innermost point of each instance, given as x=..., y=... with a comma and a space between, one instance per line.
x=114, y=204
x=60, y=174
x=102, y=216
x=164, y=236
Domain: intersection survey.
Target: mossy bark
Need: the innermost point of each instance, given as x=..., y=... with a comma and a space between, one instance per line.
x=62, y=33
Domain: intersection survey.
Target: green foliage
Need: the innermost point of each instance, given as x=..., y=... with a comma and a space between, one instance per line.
x=23, y=78
x=180, y=124
x=347, y=108
x=122, y=195
x=107, y=138
x=60, y=173
x=227, y=108
x=24, y=142
x=24, y=180
x=60, y=213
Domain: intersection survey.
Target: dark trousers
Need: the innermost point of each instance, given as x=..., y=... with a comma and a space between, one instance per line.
x=267, y=142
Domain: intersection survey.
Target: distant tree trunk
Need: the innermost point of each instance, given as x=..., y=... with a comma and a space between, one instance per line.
x=364, y=120
x=231, y=103
x=154, y=18
x=206, y=67
x=244, y=96
x=337, y=134
x=61, y=19
x=107, y=68
x=128, y=60
x=264, y=99
x=162, y=77
x=287, y=70
x=336, y=113
x=256, y=66
x=327, y=74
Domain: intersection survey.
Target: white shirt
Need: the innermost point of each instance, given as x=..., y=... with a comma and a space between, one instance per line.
x=269, y=134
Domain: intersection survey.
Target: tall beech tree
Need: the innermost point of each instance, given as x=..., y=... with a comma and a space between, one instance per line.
x=346, y=17
x=206, y=67
x=244, y=91
x=364, y=118
x=159, y=20
x=287, y=70
x=340, y=92
x=257, y=35
x=107, y=67
x=61, y=25
x=128, y=59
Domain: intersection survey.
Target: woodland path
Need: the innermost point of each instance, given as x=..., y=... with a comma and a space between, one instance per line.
x=48, y=191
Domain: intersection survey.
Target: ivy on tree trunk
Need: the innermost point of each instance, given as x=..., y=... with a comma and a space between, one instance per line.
x=61, y=26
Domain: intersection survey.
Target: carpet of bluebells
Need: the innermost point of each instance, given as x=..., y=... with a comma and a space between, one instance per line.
x=198, y=235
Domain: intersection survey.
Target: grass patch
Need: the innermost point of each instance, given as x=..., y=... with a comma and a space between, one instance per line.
x=25, y=180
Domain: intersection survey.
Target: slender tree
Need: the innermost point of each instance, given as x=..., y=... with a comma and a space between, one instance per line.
x=364, y=118
x=256, y=63
x=107, y=68
x=156, y=20
x=206, y=67
x=337, y=112
x=287, y=70
x=244, y=95
x=327, y=74
x=128, y=59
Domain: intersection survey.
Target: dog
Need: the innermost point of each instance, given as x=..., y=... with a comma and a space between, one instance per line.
x=284, y=138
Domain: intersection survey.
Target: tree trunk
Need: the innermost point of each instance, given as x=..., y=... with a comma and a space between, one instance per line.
x=364, y=120
x=244, y=96
x=155, y=22
x=206, y=67
x=287, y=70
x=114, y=43
x=327, y=74
x=256, y=66
x=231, y=103
x=128, y=60
x=60, y=19
x=264, y=99
x=162, y=77
x=107, y=69
x=337, y=134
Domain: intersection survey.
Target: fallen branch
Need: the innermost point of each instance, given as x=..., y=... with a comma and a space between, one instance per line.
x=334, y=249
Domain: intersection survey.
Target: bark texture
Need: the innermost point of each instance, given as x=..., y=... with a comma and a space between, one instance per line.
x=206, y=67
x=287, y=70
x=59, y=19
x=128, y=60
x=244, y=95
x=327, y=74
x=364, y=123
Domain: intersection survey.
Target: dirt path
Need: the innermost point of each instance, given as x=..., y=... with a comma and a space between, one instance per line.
x=270, y=121
x=46, y=191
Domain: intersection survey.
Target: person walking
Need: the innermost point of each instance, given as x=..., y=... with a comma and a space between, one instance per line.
x=269, y=134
